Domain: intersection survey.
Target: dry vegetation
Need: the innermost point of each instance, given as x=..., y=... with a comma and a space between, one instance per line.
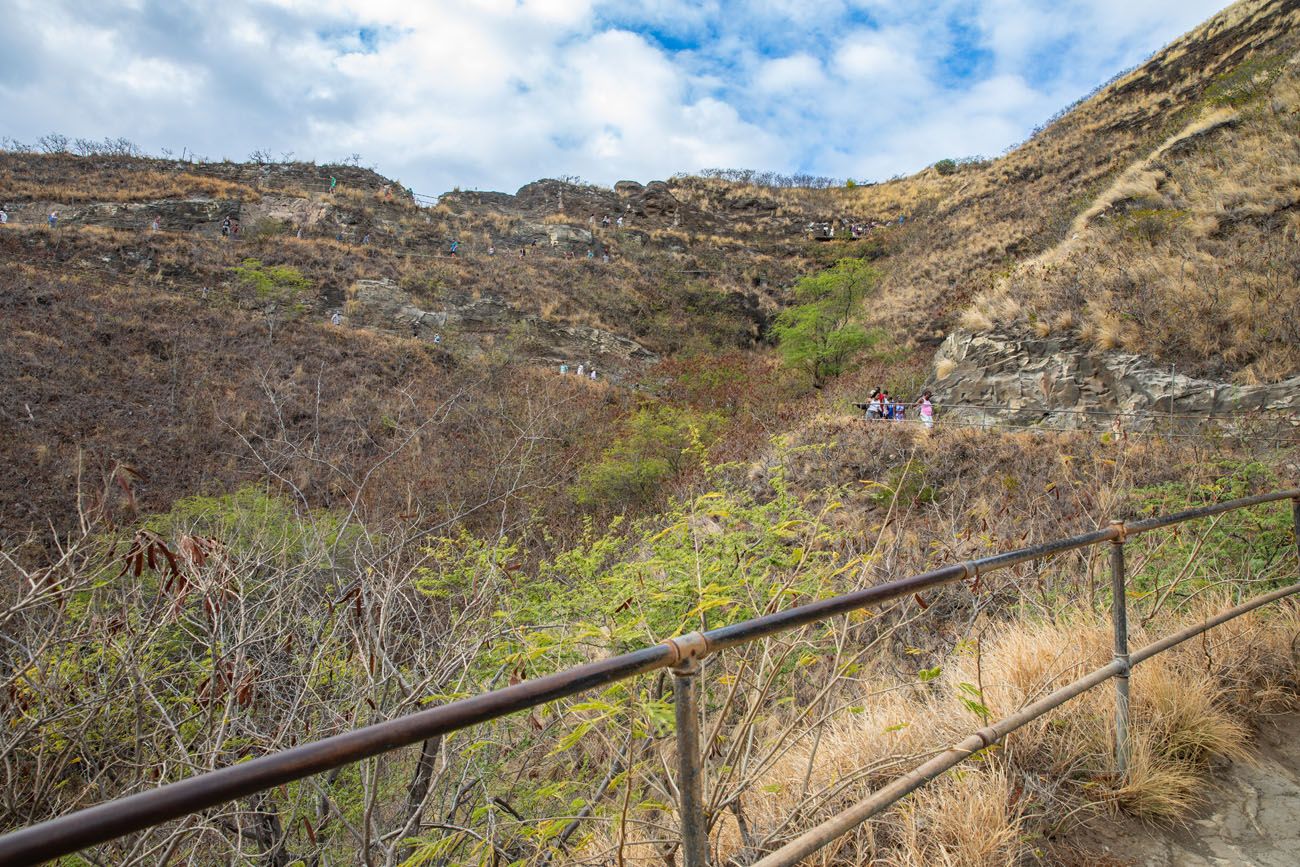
x=1190, y=257
x=232, y=527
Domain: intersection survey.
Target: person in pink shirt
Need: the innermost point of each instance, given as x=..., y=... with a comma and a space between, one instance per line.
x=927, y=409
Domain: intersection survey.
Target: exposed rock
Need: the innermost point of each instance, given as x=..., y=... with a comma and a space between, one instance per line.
x=175, y=214
x=568, y=237
x=1025, y=380
x=628, y=188
x=658, y=199
x=383, y=304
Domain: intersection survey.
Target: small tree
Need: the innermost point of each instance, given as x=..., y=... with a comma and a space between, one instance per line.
x=657, y=443
x=281, y=290
x=821, y=333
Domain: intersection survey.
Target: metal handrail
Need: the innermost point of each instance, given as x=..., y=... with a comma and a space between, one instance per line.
x=72, y=832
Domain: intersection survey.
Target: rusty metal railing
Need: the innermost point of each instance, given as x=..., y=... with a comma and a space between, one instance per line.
x=681, y=655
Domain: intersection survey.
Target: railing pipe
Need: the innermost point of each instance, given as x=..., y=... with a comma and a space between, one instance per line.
x=1295, y=524
x=845, y=821
x=1119, y=624
x=690, y=776
x=75, y=831
x=98, y=824
x=1205, y=511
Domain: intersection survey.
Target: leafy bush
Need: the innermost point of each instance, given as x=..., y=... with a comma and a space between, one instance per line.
x=282, y=291
x=657, y=443
x=946, y=167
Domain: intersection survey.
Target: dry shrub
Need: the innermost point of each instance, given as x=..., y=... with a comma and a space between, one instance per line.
x=970, y=818
x=1188, y=707
x=976, y=319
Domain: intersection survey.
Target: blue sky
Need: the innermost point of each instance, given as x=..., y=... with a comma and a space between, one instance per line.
x=491, y=94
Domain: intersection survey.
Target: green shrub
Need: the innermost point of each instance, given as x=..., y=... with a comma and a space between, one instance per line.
x=657, y=443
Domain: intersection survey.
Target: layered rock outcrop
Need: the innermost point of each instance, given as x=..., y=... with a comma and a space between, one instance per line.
x=1009, y=378
x=383, y=304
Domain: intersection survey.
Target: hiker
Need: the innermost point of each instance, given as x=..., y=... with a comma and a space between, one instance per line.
x=593, y=374
x=564, y=369
x=4, y=216
x=54, y=219
x=876, y=405
x=455, y=245
x=299, y=231
x=591, y=254
x=437, y=339
x=926, y=409
x=605, y=258
x=581, y=370
x=619, y=221
x=604, y=222
x=336, y=319
x=334, y=182
x=234, y=229
x=155, y=225
x=492, y=250
x=523, y=252
x=225, y=227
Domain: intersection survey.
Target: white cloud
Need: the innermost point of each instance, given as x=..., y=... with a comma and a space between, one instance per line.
x=785, y=74
x=494, y=93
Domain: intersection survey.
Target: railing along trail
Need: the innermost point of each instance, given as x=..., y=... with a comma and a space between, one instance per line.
x=681, y=655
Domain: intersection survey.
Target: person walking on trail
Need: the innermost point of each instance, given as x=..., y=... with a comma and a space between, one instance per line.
x=225, y=227
x=54, y=219
x=455, y=245
x=334, y=182
x=619, y=222
x=155, y=225
x=4, y=216
x=336, y=319
x=876, y=405
x=926, y=409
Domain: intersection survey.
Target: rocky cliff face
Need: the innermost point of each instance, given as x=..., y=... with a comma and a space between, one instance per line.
x=383, y=304
x=1008, y=378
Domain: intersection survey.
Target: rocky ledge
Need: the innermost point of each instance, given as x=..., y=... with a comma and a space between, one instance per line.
x=485, y=320
x=1006, y=378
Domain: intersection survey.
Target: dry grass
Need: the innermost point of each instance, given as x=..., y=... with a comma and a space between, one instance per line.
x=1189, y=707
x=1189, y=257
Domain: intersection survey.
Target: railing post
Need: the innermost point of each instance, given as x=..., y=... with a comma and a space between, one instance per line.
x=1295, y=522
x=1119, y=620
x=690, y=778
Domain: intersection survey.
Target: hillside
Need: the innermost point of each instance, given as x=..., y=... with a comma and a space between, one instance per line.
x=266, y=485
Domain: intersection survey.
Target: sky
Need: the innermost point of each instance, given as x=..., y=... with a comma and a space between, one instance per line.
x=492, y=94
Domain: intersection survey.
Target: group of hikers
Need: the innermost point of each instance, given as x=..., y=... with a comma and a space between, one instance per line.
x=583, y=371
x=854, y=229
x=881, y=407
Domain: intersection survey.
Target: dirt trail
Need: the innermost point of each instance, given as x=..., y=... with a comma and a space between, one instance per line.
x=1252, y=816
